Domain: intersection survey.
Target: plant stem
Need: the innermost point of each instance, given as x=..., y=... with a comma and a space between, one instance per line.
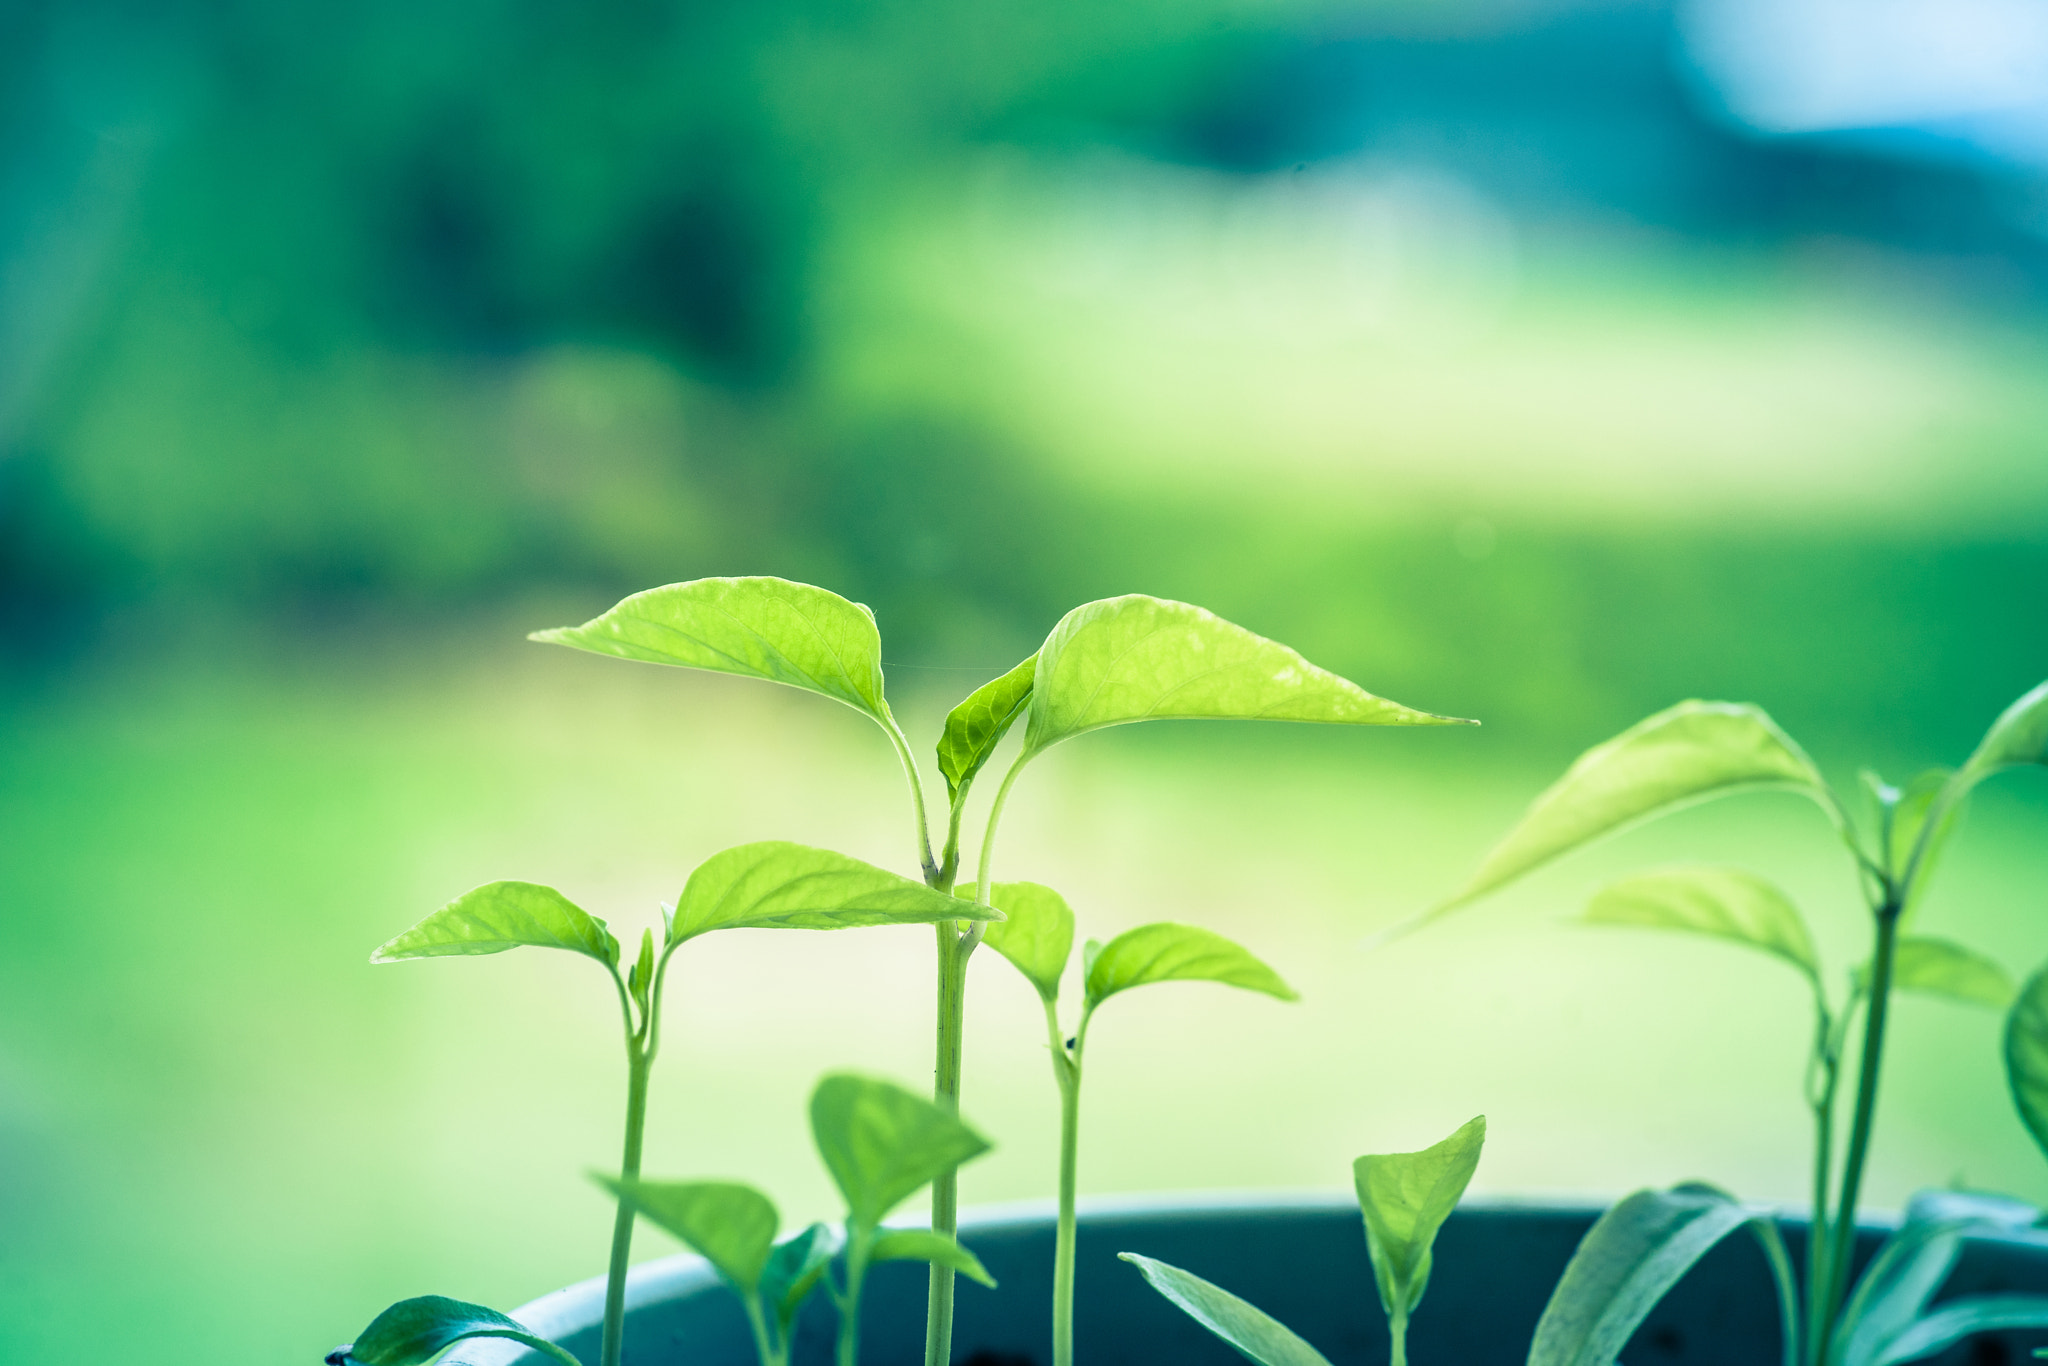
x=639, y=1064
x=847, y=1352
x=1397, y=1331
x=916, y=781
x=1066, y=1071
x=1828, y=1064
x=953, y=951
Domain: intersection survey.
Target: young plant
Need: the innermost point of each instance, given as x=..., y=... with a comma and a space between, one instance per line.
x=769, y=885
x=1694, y=752
x=1037, y=936
x=881, y=1145
x=1405, y=1198
x=1106, y=663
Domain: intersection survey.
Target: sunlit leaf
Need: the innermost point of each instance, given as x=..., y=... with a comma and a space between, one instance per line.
x=501, y=916
x=1257, y=1335
x=767, y=628
x=793, y=1269
x=417, y=1330
x=1727, y=903
x=1939, y=967
x=778, y=885
x=1918, y=802
x=729, y=1225
x=1405, y=1198
x=1167, y=952
x=2018, y=736
x=881, y=1143
x=2026, y=1056
x=1037, y=934
x=1137, y=658
x=1958, y=1319
x=923, y=1245
x=1626, y=1263
x=1689, y=753
x=641, y=975
x=977, y=725
x=1910, y=1267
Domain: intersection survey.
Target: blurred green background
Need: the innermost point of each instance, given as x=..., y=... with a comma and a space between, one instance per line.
x=1539, y=362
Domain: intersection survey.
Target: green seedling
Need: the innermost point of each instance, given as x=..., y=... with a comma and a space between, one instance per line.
x=881, y=1144
x=1405, y=1198
x=770, y=885
x=1106, y=663
x=1695, y=752
x=413, y=1332
x=1037, y=937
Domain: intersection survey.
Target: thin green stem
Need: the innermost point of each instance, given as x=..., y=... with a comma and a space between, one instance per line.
x=946, y=1091
x=1066, y=1070
x=916, y=781
x=1826, y=1065
x=988, y=837
x=622, y=1225
x=1397, y=1332
x=848, y=1348
x=1766, y=1230
x=764, y=1346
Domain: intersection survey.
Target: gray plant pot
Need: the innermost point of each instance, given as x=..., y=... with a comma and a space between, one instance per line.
x=1301, y=1259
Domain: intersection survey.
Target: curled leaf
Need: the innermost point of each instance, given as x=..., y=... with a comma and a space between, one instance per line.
x=881, y=1143
x=978, y=724
x=1405, y=1198
x=415, y=1331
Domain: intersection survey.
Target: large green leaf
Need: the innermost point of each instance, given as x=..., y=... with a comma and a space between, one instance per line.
x=1626, y=1263
x=793, y=1269
x=1257, y=1335
x=977, y=725
x=766, y=628
x=1727, y=903
x=923, y=1245
x=418, y=1330
x=2018, y=736
x=501, y=916
x=881, y=1143
x=729, y=1225
x=2026, y=1056
x=1958, y=1319
x=778, y=885
x=1167, y=952
x=1137, y=658
x=1036, y=935
x=1405, y=1198
x=1688, y=753
x=1940, y=967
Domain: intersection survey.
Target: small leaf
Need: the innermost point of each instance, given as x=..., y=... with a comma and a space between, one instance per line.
x=1727, y=903
x=641, y=974
x=977, y=725
x=1626, y=1263
x=794, y=1267
x=1939, y=967
x=1037, y=934
x=923, y=1245
x=2026, y=1056
x=1688, y=753
x=729, y=1225
x=1256, y=1335
x=1167, y=952
x=882, y=1144
x=767, y=628
x=1405, y=1198
x=501, y=916
x=417, y=1330
x=1894, y=1289
x=1917, y=802
x=1137, y=658
x=778, y=885
x=1958, y=1319
x=1090, y=951
x=2018, y=736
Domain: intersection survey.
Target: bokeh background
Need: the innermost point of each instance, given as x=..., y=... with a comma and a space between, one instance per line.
x=1543, y=361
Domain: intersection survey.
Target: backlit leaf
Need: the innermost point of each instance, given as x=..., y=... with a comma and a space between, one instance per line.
x=881, y=1143
x=778, y=885
x=1405, y=1198
x=640, y=977
x=793, y=1269
x=1939, y=967
x=1727, y=903
x=977, y=725
x=1918, y=802
x=2026, y=1056
x=1909, y=1268
x=501, y=916
x=1138, y=658
x=1167, y=952
x=1257, y=1335
x=2018, y=736
x=768, y=628
x=1036, y=935
x=923, y=1245
x=729, y=1225
x=417, y=1330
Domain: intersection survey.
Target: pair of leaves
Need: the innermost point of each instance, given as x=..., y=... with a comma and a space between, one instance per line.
x=882, y=1144
x=415, y=1331
x=769, y=885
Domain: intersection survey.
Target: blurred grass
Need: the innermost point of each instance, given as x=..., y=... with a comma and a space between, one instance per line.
x=225, y=1137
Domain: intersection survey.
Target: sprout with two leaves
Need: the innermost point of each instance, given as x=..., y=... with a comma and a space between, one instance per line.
x=1037, y=936
x=1697, y=751
x=769, y=885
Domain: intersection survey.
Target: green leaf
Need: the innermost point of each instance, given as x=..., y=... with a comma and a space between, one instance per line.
x=1940, y=967
x=1958, y=1319
x=1257, y=1335
x=881, y=1143
x=977, y=725
x=729, y=1225
x=1894, y=1289
x=778, y=885
x=1167, y=952
x=500, y=916
x=1626, y=1263
x=418, y=1330
x=1689, y=753
x=794, y=1268
x=2018, y=736
x=2026, y=1056
x=1037, y=934
x=1916, y=803
x=1405, y=1198
x=1727, y=903
x=640, y=976
x=923, y=1245
x=1137, y=658
x=768, y=628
